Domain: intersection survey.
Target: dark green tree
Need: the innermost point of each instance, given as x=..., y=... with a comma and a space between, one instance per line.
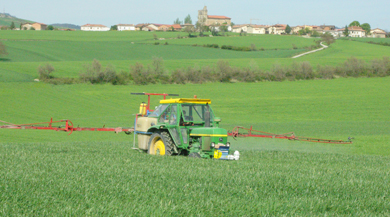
x=288, y=29
x=50, y=27
x=12, y=26
x=114, y=28
x=366, y=28
x=177, y=21
x=354, y=23
x=346, y=32
x=188, y=19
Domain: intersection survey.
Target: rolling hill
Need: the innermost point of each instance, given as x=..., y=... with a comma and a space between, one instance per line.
x=6, y=20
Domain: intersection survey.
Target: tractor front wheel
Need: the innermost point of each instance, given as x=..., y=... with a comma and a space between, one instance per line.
x=160, y=143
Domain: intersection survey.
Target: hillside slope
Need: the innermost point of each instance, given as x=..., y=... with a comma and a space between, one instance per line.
x=6, y=20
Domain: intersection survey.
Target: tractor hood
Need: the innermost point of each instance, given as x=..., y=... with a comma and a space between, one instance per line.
x=209, y=131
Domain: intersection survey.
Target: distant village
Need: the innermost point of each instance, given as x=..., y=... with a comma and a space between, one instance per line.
x=219, y=23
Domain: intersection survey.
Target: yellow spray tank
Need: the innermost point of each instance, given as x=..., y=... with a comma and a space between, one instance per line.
x=142, y=109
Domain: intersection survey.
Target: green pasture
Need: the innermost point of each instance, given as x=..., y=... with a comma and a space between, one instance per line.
x=97, y=173
x=260, y=41
x=375, y=40
x=68, y=52
x=49, y=173
x=334, y=109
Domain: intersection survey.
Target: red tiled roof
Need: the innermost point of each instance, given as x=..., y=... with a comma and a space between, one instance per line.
x=93, y=25
x=217, y=17
x=258, y=26
x=355, y=28
x=176, y=26
x=141, y=24
x=125, y=24
x=40, y=24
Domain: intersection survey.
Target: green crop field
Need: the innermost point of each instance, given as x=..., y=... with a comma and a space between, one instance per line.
x=260, y=41
x=91, y=173
x=68, y=52
x=49, y=173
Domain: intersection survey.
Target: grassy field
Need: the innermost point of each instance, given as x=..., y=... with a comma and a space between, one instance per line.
x=376, y=40
x=97, y=173
x=68, y=52
x=88, y=173
x=260, y=41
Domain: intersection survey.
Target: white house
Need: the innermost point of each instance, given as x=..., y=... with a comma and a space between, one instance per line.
x=277, y=29
x=126, y=27
x=336, y=33
x=257, y=29
x=94, y=27
x=238, y=28
x=356, y=31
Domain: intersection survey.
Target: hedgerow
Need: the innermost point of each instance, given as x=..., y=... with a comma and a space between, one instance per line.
x=222, y=71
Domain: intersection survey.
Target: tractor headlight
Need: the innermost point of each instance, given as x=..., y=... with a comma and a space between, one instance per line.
x=213, y=144
x=228, y=144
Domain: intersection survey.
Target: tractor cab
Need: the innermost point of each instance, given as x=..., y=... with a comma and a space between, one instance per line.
x=184, y=126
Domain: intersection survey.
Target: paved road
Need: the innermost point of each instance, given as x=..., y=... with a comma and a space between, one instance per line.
x=323, y=47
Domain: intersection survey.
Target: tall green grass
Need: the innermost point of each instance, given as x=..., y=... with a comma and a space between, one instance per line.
x=95, y=178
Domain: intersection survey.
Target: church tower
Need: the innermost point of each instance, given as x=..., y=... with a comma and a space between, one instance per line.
x=202, y=15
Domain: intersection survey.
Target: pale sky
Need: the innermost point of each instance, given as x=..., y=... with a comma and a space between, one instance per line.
x=300, y=12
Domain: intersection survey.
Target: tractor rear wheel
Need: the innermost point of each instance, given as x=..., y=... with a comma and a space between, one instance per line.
x=160, y=143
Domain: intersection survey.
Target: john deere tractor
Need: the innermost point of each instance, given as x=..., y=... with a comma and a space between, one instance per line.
x=183, y=126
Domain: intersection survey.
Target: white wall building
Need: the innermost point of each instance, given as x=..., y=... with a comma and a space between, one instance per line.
x=356, y=31
x=94, y=27
x=126, y=27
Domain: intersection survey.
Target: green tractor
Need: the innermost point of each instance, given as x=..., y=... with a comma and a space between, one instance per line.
x=183, y=127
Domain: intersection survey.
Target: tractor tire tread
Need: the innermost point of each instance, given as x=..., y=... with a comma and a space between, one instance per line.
x=168, y=142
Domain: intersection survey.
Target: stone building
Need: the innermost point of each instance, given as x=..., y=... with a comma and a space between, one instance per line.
x=210, y=20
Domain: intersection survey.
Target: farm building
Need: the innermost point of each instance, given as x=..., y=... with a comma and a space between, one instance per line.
x=377, y=33
x=257, y=29
x=126, y=27
x=26, y=26
x=39, y=26
x=94, y=27
x=177, y=27
x=36, y=26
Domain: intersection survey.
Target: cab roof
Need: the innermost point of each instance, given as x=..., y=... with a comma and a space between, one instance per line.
x=184, y=100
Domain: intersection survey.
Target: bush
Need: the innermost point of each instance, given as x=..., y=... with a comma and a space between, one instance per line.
x=156, y=43
x=44, y=72
x=354, y=67
x=294, y=46
x=178, y=77
x=325, y=72
x=380, y=67
x=223, y=71
x=166, y=43
x=95, y=75
x=253, y=47
x=277, y=73
x=140, y=75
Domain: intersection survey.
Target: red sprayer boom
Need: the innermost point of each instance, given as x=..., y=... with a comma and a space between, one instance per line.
x=249, y=132
x=68, y=127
